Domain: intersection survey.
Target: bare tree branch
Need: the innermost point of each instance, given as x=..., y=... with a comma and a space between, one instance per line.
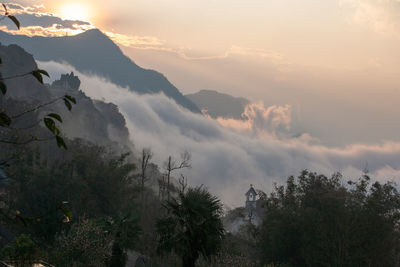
x=15, y=76
x=170, y=166
x=36, y=108
x=145, y=159
x=25, y=142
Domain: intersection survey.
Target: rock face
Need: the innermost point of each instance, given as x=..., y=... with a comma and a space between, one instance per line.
x=219, y=105
x=93, y=120
x=93, y=52
x=68, y=81
x=89, y=119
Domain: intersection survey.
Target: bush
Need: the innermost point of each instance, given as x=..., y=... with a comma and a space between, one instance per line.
x=21, y=251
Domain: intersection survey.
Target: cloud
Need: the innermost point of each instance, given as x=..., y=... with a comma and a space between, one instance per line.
x=383, y=16
x=153, y=43
x=259, y=120
x=225, y=160
x=35, y=22
x=135, y=41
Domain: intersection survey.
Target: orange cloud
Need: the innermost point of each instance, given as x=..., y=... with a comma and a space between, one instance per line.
x=258, y=119
x=53, y=31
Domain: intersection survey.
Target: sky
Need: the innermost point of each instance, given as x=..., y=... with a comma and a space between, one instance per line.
x=323, y=77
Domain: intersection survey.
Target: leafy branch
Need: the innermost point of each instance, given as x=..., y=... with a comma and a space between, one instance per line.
x=11, y=17
x=36, y=73
x=49, y=121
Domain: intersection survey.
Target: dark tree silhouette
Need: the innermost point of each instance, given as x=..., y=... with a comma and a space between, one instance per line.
x=319, y=221
x=192, y=226
x=170, y=165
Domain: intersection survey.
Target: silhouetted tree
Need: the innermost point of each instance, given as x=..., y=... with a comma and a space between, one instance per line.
x=318, y=221
x=144, y=162
x=192, y=226
x=170, y=165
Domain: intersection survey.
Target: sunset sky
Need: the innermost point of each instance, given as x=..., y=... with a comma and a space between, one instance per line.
x=340, y=57
x=347, y=34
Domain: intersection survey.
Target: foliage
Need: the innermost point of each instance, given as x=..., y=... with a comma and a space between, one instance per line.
x=192, y=226
x=236, y=250
x=86, y=181
x=85, y=244
x=318, y=221
x=126, y=232
x=21, y=251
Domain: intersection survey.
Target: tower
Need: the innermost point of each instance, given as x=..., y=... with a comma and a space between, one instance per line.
x=251, y=203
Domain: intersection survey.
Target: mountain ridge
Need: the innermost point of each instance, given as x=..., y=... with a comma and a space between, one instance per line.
x=218, y=104
x=95, y=53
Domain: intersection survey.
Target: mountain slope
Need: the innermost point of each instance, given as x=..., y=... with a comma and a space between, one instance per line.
x=218, y=104
x=93, y=120
x=94, y=52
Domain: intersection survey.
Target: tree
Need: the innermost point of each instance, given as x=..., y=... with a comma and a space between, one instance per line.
x=192, y=226
x=85, y=244
x=170, y=165
x=318, y=221
x=125, y=231
x=21, y=251
x=144, y=162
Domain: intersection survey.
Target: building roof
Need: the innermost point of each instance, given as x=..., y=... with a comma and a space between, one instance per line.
x=251, y=191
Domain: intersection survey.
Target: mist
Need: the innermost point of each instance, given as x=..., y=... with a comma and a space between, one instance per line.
x=227, y=156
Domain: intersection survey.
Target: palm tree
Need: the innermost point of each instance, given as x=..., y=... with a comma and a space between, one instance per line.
x=192, y=225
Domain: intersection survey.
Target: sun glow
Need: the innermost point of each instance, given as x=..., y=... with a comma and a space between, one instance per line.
x=75, y=11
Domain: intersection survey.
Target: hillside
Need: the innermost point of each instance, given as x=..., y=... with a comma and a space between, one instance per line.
x=93, y=120
x=219, y=104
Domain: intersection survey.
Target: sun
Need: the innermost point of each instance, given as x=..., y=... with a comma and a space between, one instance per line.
x=75, y=11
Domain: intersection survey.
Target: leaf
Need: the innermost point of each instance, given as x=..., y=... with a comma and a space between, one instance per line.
x=70, y=98
x=50, y=124
x=43, y=72
x=66, y=211
x=5, y=9
x=68, y=104
x=4, y=119
x=22, y=219
x=57, y=131
x=3, y=88
x=14, y=19
x=55, y=116
x=38, y=76
x=60, y=142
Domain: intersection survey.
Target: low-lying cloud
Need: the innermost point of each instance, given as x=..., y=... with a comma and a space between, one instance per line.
x=258, y=119
x=228, y=160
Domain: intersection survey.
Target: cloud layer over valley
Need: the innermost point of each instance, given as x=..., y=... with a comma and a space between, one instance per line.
x=226, y=158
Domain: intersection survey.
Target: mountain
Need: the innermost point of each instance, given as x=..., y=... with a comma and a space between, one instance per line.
x=89, y=119
x=93, y=52
x=218, y=104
